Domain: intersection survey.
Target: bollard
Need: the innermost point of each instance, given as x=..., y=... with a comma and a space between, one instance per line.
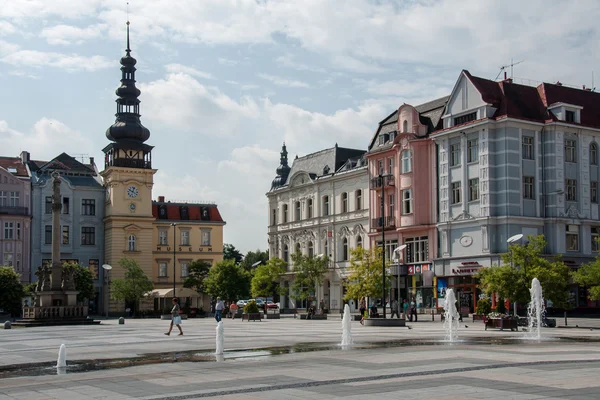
x=432, y=316
x=7, y=325
x=565, y=318
x=121, y=321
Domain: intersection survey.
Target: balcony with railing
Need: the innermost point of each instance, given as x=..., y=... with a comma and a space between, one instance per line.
x=379, y=182
x=386, y=222
x=8, y=210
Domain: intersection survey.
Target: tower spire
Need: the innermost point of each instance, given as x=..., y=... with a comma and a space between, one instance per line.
x=283, y=170
x=128, y=50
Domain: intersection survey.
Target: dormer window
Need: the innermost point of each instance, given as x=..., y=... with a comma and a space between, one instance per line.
x=570, y=116
x=183, y=211
x=326, y=170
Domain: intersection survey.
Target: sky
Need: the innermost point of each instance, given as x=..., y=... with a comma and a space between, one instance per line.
x=225, y=82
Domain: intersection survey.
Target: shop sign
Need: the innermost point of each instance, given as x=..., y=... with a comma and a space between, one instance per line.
x=466, y=268
x=420, y=268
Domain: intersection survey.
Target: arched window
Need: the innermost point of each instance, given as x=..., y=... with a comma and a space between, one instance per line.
x=359, y=241
x=298, y=248
x=298, y=211
x=286, y=253
x=325, y=206
x=405, y=126
x=358, y=199
x=311, y=249
x=406, y=161
x=344, y=202
x=345, y=249
x=593, y=154
x=309, y=208
x=131, y=242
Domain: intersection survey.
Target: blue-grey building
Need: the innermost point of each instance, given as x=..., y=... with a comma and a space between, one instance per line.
x=82, y=226
x=516, y=159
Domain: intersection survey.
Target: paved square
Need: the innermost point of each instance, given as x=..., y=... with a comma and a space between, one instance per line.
x=294, y=359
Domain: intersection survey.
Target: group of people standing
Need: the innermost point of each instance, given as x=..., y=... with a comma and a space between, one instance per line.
x=394, y=308
x=176, y=317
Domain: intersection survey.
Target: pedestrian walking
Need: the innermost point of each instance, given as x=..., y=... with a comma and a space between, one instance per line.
x=219, y=306
x=175, y=317
x=394, y=309
x=413, y=310
x=322, y=306
x=363, y=309
x=405, y=308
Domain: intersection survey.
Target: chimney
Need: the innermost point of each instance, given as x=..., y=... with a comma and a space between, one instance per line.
x=91, y=160
x=583, y=87
x=161, y=199
x=25, y=157
x=558, y=83
x=505, y=75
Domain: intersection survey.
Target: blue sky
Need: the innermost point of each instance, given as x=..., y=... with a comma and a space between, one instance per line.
x=225, y=82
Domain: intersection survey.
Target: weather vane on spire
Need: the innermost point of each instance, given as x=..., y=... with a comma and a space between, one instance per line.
x=128, y=50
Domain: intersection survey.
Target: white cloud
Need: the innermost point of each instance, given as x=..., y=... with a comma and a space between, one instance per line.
x=7, y=48
x=68, y=34
x=23, y=74
x=250, y=86
x=6, y=28
x=289, y=61
x=178, y=68
x=227, y=62
x=69, y=62
x=279, y=81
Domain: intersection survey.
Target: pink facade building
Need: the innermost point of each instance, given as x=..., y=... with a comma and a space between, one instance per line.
x=15, y=216
x=402, y=169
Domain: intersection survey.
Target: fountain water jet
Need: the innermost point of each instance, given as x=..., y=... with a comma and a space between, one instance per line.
x=220, y=338
x=536, y=310
x=451, y=316
x=62, y=357
x=346, y=327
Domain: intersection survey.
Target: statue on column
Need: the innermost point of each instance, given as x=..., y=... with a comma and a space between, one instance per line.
x=68, y=283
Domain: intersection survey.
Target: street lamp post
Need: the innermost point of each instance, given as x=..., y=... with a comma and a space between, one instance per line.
x=511, y=240
x=397, y=251
x=174, y=225
x=106, y=269
x=382, y=223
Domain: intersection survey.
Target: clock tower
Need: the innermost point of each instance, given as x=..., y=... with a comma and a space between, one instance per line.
x=128, y=177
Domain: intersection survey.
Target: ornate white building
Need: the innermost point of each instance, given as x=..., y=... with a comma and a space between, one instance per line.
x=320, y=206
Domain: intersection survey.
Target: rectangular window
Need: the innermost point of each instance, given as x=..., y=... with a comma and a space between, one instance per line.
x=391, y=200
x=570, y=151
x=455, y=154
x=65, y=234
x=185, y=238
x=595, y=238
x=205, y=238
x=572, y=238
x=391, y=165
x=345, y=202
x=65, y=205
x=571, y=185
x=184, y=269
x=18, y=231
x=473, y=189
x=417, y=249
x=162, y=270
x=163, y=238
x=358, y=200
x=8, y=259
x=325, y=206
x=285, y=214
x=3, y=198
x=88, y=236
x=88, y=207
x=274, y=217
x=407, y=201
x=527, y=147
x=309, y=208
x=48, y=234
x=48, y=208
x=528, y=187
x=8, y=230
x=473, y=150
x=570, y=116
x=456, y=193
x=594, y=192
x=14, y=199
x=463, y=119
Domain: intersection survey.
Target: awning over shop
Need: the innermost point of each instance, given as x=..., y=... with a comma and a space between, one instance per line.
x=179, y=292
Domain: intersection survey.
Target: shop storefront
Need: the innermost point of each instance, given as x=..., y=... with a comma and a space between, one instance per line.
x=419, y=285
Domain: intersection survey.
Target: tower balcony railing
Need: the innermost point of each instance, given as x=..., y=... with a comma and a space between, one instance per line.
x=385, y=222
x=129, y=163
x=8, y=210
x=383, y=181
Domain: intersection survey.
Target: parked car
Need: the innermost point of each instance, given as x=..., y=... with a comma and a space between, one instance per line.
x=259, y=302
x=242, y=303
x=272, y=305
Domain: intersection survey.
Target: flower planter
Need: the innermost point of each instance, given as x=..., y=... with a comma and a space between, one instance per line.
x=478, y=317
x=501, y=323
x=251, y=316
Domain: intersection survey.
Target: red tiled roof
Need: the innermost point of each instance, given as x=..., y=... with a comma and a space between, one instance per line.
x=590, y=101
x=14, y=162
x=194, y=211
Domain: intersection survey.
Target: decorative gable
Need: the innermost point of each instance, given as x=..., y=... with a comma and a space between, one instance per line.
x=409, y=122
x=466, y=103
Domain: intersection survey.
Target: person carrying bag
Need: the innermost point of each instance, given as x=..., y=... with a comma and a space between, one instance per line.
x=175, y=317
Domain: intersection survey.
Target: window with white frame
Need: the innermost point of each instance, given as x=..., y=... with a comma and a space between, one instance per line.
x=358, y=199
x=162, y=238
x=593, y=154
x=455, y=154
x=65, y=234
x=571, y=185
x=473, y=150
x=48, y=234
x=407, y=201
x=131, y=243
x=595, y=238
x=325, y=206
x=528, y=187
x=8, y=259
x=18, y=231
x=345, y=249
x=3, y=198
x=527, y=147
x=473, y=189
x=162, y=269
x=406, y=159
x=206, y=237
x=391, y=205
x=297, y=211
x=184, y=238
x=184, y=269
x=344, y=198
x=285, y=213
x=572, y=238
x=274, y=216
x=14, y=199
x=311, y=249
x=309, y=208
x=326, y=247
x=48, y=205
x=594, y=192
x=8, y=230
x=570, y=150
x=456, y=192
x=391, y=165
x=359, y=241
x=417, y=249
x=381, y=169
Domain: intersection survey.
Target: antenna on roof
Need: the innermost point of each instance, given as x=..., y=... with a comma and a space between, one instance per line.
x=511, y=65
x=593, y=87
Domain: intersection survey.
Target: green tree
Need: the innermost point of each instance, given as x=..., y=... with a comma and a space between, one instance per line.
x=231, y=253
x=366, y=274
x=253, y=257
x=134, y=287
x=197, y=273
x=11, y=291
x=228, y=280
x=521, y=264
x=265, y=281
x=83, y=279
x=309, y=272
x=589, y=275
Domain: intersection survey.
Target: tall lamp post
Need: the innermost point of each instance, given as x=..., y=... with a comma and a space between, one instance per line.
x=106, y=269
x=396, y=258
x=174, y=225
x=382, y=224
x=511, y=240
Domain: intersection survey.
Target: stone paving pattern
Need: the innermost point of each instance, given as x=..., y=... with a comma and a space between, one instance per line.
x=556, y=367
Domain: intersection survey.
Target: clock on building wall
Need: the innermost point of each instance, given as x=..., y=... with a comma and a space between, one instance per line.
x=132, y=192
x=466, y=241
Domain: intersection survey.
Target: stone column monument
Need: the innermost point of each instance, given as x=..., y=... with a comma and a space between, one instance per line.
x=56, y=276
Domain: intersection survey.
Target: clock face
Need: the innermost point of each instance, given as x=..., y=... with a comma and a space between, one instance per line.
x=132, y=207
x=132, y=192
